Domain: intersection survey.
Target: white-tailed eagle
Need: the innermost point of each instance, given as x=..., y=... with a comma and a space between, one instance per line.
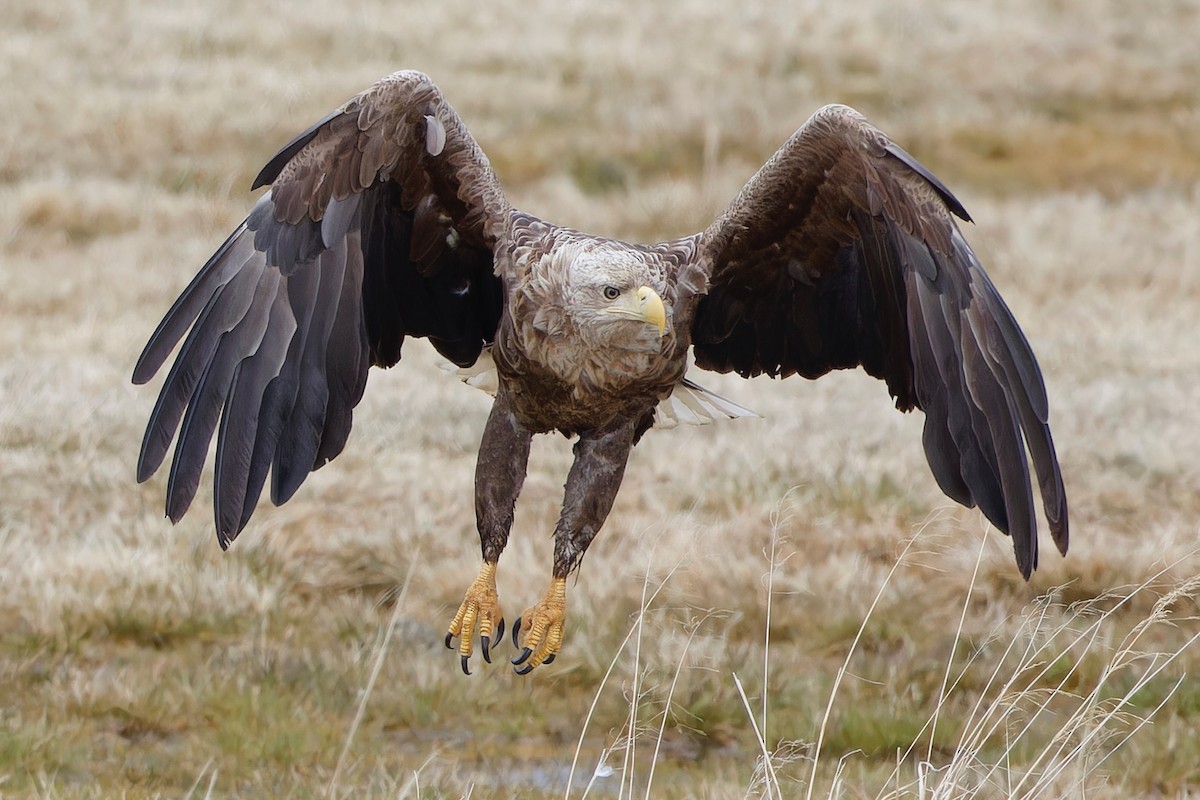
x=384, y=220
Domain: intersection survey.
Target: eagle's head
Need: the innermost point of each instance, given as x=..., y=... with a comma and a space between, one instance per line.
x=614, y=299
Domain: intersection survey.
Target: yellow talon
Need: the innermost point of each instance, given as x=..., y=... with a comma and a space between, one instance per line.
x=544, y=623
x=481, y=607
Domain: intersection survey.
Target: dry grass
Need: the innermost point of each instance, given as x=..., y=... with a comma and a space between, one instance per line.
x=137, y=660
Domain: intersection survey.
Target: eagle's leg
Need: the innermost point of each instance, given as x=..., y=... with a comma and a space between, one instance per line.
x=592, y=485
x=499, y=474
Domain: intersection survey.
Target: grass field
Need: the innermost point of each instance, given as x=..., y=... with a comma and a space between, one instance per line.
x=795, y=585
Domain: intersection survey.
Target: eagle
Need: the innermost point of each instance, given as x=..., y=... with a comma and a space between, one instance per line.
x=384, y=220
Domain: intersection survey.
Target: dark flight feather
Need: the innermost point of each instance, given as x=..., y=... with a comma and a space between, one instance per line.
x=204, y=407
x=241, y=415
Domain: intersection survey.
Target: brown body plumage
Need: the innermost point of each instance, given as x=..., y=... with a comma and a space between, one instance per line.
x=385, y=220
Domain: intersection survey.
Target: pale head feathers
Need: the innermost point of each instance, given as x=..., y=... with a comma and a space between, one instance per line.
x=589, y=288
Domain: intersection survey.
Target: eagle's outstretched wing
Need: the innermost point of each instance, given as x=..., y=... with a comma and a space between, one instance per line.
x=380, y=223
x=840, y=252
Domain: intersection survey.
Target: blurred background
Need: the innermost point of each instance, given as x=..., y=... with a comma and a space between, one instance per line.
x=138, y=660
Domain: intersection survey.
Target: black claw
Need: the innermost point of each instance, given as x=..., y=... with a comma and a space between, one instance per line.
x=525, y=670
x=500, y=630
x=525, y=654
x=550, y=658
x=487, y=656
x=464, y=665
x=449, y=636
x=516, y=630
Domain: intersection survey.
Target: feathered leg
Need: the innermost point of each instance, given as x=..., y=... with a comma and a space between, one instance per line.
x=592, y=485
x=499, y=474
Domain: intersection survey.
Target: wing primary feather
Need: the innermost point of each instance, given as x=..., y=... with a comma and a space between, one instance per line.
x=988, y=435
x=348, y=358
x=1015, y=367
x=173, y=397
x=221, y=485
x=992, y=318
x=1016, y=345
x=954, y=457
x=217, y=271
x=240, y=419
x=278, y=400
x=227, y=306
x=208, y=399
x=296, y=453
x=994, y=400
x=937, y=319
x=942, y=450
x=942, y=453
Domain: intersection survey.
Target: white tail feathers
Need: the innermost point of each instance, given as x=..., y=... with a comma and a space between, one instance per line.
x=481, y=374
x=692, y=404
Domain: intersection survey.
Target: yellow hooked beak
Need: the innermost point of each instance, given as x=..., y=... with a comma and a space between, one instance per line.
x=653, y=311
x=652, y=308
x=643, y=305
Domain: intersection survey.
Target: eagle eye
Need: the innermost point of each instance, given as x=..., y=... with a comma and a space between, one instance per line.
x=611, y=293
